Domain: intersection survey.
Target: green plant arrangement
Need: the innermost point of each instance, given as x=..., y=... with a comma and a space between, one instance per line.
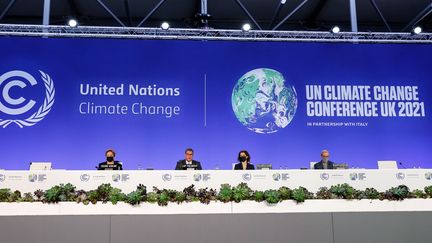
x=60, y=193
x=135, y=197
x=272, y=196
x=241, y=192
x=227, y=193
x=418, y=194
x=152, y=197
x=301, y=194
x=369, y=193
x=39, y=195
x=285, y=193
x=258, y=196
x=161, y=196
x=180, y=197
x=27, y=197
x=15, y=196
x=324, y=193
x=397, y=193
x=93, y=197
x=116, y=195
x=428, y=191
x=81, y=196
x=5, y=194
x=343, y=191
x=190, y=194
x=207, y=195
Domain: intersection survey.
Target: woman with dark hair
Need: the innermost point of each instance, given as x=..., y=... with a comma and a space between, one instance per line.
x=244, y=161
x=110, y=163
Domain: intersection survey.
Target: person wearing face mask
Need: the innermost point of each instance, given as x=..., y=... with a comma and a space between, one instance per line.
x=110, y=163
x=325, y=163
x=244, y=161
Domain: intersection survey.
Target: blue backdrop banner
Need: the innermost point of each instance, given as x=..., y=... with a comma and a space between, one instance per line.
x=68, y=100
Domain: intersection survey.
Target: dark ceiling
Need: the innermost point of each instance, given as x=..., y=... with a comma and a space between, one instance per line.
x=226, y=14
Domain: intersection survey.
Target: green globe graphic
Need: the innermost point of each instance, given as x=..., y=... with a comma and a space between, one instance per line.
x=263, y=102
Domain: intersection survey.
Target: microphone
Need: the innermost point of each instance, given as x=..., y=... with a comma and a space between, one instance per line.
x=403, y=166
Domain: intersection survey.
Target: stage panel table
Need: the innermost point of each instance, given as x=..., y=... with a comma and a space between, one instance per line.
x=127, y=180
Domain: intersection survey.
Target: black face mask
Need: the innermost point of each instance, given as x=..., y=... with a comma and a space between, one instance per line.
x=242, y=159
x=110, y=159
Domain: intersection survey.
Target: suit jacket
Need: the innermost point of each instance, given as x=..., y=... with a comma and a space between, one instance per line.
x=320, y=166
x=181, y=165
x=239, y=166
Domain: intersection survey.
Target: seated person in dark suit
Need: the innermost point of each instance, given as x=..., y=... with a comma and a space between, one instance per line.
x=325, y=163
x=110, y=163
x=188, y=163
x=244, y=159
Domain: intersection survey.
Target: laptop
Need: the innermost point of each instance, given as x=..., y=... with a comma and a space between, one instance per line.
x=263, y=166
x=387, y=165
x=40, y=165
x=340, y=166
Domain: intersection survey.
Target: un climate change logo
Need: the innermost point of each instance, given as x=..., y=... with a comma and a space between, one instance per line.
x=263, y=102
x=15, y=79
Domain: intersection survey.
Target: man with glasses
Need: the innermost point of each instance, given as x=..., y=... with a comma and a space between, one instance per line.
x=188, y=163
x=325, y=163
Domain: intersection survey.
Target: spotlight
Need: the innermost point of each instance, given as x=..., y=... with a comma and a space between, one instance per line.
x=165, y=26
x=417, y=30
x=72, y=23
x=246, y=27
x=335, y=29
